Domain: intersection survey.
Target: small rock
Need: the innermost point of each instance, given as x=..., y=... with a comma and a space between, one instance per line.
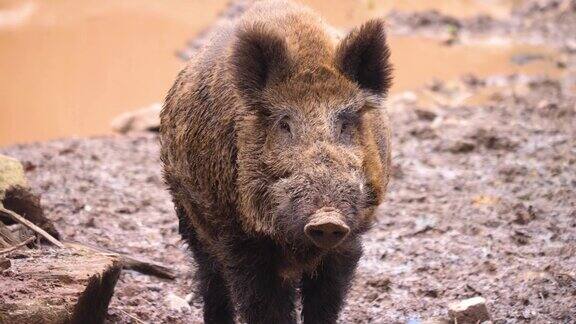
x=485, y=200
x=433, y=320
x=526, y=58
x=461, y=147
x=562, y=279
x=524, y=215
x=397, y=171
x=177, y=303
x=372, y=297
x=189, y=298
x=521, y=238
x=382, y=284
x=425, y=114
x=490, y=266
x=5, y=264
x=146, y=119
x=432, y=293
x=473, y=81
x=489, y=139
x=436, y=320
x=423, y=132
x=91, y=222
x=408, y=97
x=469, y=311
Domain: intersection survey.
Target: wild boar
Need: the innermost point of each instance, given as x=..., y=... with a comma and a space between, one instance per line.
x=276, y=150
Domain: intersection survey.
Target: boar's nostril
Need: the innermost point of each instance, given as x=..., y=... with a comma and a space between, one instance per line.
x=338, y=233
x=326, y=229
x=316, y=233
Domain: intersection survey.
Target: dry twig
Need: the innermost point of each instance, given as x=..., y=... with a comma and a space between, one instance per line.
x=17, y=246
x=31, y=226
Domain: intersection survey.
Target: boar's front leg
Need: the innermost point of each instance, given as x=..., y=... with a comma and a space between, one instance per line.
x=323, y=292
x=218, y=307
x=258, y=292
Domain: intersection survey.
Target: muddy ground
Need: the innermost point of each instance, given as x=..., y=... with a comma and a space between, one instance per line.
x=482, y=202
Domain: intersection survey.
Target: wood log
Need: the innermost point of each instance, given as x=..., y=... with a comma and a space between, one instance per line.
x=72, y=285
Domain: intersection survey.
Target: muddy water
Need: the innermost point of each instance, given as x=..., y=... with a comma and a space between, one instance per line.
x=68, y=67
x=351, y=12
x=418, y=61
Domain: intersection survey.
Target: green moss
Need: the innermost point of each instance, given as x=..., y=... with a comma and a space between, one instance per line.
x=11, y=174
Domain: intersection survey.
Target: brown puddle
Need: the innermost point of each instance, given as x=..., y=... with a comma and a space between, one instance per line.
x=69, y=67
x=349, y=13
x=418, y=61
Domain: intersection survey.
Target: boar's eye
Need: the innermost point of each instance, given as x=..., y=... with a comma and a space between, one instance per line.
x=284, y=125
x=346, y=124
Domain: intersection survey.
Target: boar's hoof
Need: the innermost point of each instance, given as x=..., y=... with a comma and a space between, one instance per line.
x=326, y=229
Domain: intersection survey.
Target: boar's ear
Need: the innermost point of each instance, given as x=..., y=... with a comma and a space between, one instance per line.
x=259, y=58
x=364, y=57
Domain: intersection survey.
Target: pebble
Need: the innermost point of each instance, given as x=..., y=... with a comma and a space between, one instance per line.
x=177, y=303
x=469, y=311
x=145, y=119
x=5, y=264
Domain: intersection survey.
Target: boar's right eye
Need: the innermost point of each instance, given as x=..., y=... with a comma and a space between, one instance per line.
x=284, y=125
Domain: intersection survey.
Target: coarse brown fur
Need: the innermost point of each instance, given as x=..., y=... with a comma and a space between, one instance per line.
x=273, y=121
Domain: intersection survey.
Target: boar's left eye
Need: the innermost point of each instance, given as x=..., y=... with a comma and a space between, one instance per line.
x=346, y=122
x=345, y=126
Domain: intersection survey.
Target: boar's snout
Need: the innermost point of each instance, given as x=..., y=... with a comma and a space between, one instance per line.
x=326, y=229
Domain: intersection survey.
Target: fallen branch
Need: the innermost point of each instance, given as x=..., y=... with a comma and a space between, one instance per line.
x=17, y=246
x=132, y=263
x=149, y=268
x=31, y=226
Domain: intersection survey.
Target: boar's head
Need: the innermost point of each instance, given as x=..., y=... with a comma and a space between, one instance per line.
x=312, y=136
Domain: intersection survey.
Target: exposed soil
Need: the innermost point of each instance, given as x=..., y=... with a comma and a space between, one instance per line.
x=550, y=22
x=482, y=202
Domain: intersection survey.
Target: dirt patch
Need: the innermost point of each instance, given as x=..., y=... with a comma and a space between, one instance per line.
x=550, y=22
x=496, y=220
